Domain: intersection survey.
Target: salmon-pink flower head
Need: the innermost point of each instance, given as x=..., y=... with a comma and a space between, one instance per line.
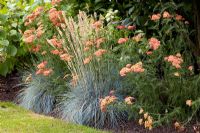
x=44, y=53
x=154, y=43
x=86, y=49
x=47, y=72
x=104, y=102
x=155, y=17
x=166, y=15
x=177, y=74
x=175, y=60
x=124, y=71
x=97, y=24
x=189, y=102
x=131, y=27
x=149, y=52
x=29, y=39
x=57, y=43
x=137, y=68
x=190, y=68
x=39, y=71
x=55, y=52
x=99, y=41
x=89, y=43
x=120, y=27
x=56, y=17
x=66, y=57
x=87, y=60
x=38, y=10
x=55, y=2
x=100, y=52
x=42, y=65
x=36, y=48
x=128, y=65
x=138, y=37
x=28, y=33
x=122, y=40
x=179, y=17
x=129, y=100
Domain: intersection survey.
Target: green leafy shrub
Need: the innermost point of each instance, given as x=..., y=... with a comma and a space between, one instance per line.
x=11, y=23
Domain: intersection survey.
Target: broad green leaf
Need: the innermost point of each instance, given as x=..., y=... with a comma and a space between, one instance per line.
x=11, y=50
x=3, y=69
x=13, y=32
x=4, y=42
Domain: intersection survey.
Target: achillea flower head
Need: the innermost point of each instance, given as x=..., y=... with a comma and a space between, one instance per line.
x=179, y=17
x=131, y=27
x=55, y=2
x=141, y=111
x=190, y=68
x=140, y=121
x=100, y=52
x=122, y=40
x=166, y=15
x=42, y=65
x=175, y=60
x=86, y=49
x=65, y=57
x=104, y=102
x=189, y=103
x=87, y=60
x=138, y=37
x=155, y=17
x=120, y=27
x=97, y=24
x=99, y=41
x=55, y=52
x=47, y=72
x=129, y=100
x=154, y=43
x=137, y=68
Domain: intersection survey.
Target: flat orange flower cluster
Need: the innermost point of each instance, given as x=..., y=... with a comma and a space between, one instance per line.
x=137, y=68
x=104, y=102
x=57, y=43
x=36, y=48
x=130, y=27
x=30, y=18
x=176, y=60
x=154, y=43
x=30, y=35
x=98, y=53
x=97, y=25
x=43, y=70
x=129, y=100
x=122, y=40
x=56, y=17
x=167, y=15
x=179, y=127
x=97, y=42
x=138, y=37
x=147, y=120
x=55, y=2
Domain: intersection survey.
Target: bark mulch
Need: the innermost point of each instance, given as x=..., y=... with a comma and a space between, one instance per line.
x=9, y=87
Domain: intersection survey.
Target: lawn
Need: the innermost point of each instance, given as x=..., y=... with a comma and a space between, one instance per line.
x=14, y=119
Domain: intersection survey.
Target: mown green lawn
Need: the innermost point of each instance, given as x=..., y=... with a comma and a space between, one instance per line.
x=14, y=119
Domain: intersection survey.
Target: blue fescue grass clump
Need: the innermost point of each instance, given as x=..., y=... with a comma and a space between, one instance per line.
x=37, y=95
x=81, y=104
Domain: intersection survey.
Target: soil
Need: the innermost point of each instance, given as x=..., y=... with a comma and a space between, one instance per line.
x=9, y=88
